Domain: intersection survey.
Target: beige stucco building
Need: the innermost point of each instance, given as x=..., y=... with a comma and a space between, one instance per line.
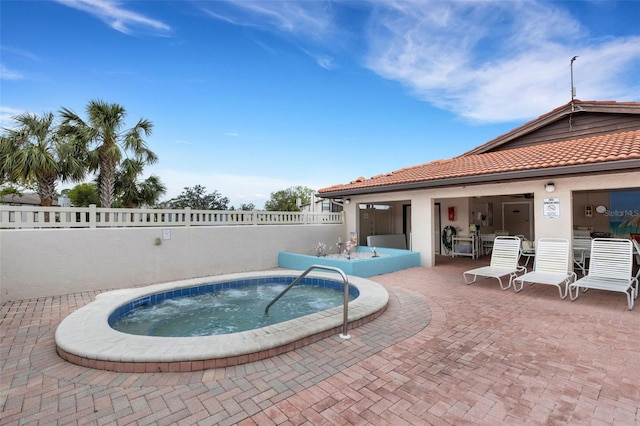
x=588, y=151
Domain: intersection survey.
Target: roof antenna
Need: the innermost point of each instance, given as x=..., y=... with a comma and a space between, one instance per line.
x=573, y=89
x=573, y=94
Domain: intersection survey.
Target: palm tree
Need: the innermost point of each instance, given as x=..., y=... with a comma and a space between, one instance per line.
x=104, y=131
x=36, y=152
x=132, y=192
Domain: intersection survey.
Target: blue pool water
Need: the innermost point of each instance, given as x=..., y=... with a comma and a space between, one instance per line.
x=226, y=307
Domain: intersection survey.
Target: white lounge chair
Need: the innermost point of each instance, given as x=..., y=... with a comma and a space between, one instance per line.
x=610, y=269
x=636, y=244
x=505, y=256
x=551, y=266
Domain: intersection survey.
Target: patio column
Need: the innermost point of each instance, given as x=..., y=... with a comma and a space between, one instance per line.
x=422, y=225
x=556, y=222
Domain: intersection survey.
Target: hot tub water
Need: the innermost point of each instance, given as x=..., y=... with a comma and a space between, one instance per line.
x=226, y=311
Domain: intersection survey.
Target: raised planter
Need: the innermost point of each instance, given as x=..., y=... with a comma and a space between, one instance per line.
x=390, y=260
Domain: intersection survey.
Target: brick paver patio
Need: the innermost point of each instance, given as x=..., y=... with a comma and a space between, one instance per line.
x=443, y=353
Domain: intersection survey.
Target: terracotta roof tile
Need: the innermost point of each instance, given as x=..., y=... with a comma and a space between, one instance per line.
x=577, y=105
x=588, y=150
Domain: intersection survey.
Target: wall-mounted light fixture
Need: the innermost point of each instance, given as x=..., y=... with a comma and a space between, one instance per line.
x=550, y=187
x=347, y=200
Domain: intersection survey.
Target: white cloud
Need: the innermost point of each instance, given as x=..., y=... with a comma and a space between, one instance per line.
x=493, y=62
x=21, y=53
x=10, y=53
x=323, y=60
x=117, y=17
x=308, y=19
x=232, y=134
x=485, y=61
x=311, y=21
x=7, y=73
x=7, y=114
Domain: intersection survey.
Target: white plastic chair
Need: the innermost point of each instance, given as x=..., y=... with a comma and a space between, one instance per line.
x=581, y=253
x=551, y=266
x=527, y=249
x=610, y=269
x=486, y=243
x=505, y=256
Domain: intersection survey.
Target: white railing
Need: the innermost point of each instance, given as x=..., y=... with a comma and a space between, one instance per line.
x=14, y=217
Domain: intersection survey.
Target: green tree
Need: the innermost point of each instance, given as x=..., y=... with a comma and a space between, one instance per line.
x=84, y=194
x=4, y=175
x=247, y=207
x=106, y=142
x=10, y=190
x=198, y=199
x=289, y=200
x=36, y=152
x=131, y=192
x=243, y=207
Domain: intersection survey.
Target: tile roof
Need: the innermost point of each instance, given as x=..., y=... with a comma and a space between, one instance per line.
x=567, y=109
x=25, y=199
x=583, y=151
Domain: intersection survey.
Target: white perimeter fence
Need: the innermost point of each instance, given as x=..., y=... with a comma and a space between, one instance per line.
x=97, y=217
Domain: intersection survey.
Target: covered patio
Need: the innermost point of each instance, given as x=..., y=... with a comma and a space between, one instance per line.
x=442, y=353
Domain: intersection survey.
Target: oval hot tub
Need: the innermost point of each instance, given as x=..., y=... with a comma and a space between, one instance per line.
x=86, y=338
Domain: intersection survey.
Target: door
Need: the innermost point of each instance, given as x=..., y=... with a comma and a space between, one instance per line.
x=373, y=222
x=406, y=224
x=516, y=218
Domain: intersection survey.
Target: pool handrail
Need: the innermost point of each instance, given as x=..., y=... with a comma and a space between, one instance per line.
x=344, y=334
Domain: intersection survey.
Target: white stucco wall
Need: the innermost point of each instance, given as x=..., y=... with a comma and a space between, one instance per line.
x=40, y=262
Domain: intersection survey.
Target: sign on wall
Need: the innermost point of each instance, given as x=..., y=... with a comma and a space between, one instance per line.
x=551, y=208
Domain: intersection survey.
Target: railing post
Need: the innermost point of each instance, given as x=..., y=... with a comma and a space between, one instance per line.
x=92, y=215
x=187, y=216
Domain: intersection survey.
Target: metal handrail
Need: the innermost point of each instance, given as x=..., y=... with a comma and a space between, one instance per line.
x=344, y=334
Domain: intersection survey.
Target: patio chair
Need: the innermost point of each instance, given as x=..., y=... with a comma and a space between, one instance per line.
x=527, y=249
x=610, y=269
x=581, y=253
x=486, y=243
x=505, y=256
x=636, y=244
x=551, y=266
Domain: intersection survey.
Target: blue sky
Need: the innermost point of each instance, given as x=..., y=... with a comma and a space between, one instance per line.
x=252, y=97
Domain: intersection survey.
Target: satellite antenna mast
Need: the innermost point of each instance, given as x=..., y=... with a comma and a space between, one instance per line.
x=573, y=95
x=573, y=89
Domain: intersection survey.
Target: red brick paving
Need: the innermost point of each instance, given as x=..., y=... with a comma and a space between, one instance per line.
x=443, y=353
